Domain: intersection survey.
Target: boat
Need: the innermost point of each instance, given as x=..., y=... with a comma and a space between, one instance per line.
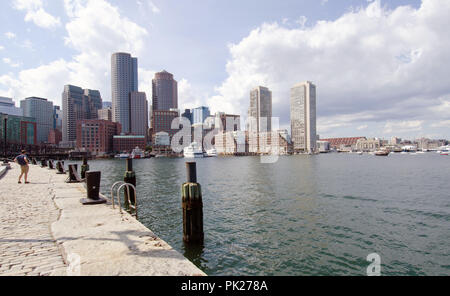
x=211, y=153
x=193, y=151
x=122, y=155
x=137, y=153
x=382, y=153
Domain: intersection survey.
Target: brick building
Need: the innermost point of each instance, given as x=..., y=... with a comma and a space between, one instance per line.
x=128, y=143
x=96, y=135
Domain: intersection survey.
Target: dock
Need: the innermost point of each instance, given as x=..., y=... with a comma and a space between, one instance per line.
x=46, y=231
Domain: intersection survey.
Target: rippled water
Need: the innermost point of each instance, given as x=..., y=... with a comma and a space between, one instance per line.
x=304, y=215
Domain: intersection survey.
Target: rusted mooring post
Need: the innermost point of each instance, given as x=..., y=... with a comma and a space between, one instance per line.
x=129, y=177
x=191, y=194
x=93, y=189
x=43, y=162
x=84, y=168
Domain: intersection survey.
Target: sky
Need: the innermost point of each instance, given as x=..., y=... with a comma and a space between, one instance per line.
x=381, y=68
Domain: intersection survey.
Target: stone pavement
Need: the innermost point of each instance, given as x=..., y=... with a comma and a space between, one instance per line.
x=27, y=246
x=45, y=230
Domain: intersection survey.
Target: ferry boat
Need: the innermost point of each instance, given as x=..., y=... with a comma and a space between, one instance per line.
x=211, y=153
x=193, y=151
x=137, y=153
x=382, y=153
x=122, y=155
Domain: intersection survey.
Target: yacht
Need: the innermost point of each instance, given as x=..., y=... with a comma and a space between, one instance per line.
x=137, y=153
x=193, y=151
x=211, y=153
x=122, y=155
x=382, y=153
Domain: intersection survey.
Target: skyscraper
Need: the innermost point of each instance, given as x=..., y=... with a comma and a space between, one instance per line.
x=165, y=92
x=260, y=111
x=78, y=104
x=303, y=117
x=42, y=110
x=200, y=114
x=7, y=106
x=138, y=114
x=124, y=80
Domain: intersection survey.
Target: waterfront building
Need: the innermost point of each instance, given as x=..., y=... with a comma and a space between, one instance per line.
x=323, y=146
x=19, y=129
x=124, y=80
x=77, y=104
x=303, y=117
x=275, y=143
x=105, y=114
x=199, y=114
x=138, y=114
x=165, y=91
x=231, y=143
x=55, y=137
x=96, y=135
x=368, y=145
x=42, y=110
x=128, y=143
x=7, y=106
x=343, y=144
x=162, y=122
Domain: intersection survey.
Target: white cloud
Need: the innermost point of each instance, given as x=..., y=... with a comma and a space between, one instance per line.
x=9, y=62
x=372, y=61
x=403, y=126
x=95, y=30
x=150, y=5
x=10, y=35
x=35, y=13
x=2, y=47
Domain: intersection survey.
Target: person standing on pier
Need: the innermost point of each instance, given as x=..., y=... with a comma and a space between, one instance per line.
x=22, y=160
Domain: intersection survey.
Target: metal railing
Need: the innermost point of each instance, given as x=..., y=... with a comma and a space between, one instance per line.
x=124, y=185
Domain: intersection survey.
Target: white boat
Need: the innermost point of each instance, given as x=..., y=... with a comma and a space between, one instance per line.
x=137, y=153
x=122, y=155
x=193, y=151
x=211, y=153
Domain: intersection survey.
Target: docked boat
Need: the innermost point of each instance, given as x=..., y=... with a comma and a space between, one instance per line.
x=211, y=153
x=137, y=153
x=122, y=155
x=193, y=151
x=382, y=153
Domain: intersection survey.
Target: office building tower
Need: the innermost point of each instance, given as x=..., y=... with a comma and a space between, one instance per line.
x=78, y=104
x=188, y=115
x=303, y=117
x=57, y=118
x=260, y=111
x=200, y=114
x=42, y=110
x=138, y=114
x=124, y=80
x=19, y=129
x=7, y=106
x=165, y=92
x=105, y=114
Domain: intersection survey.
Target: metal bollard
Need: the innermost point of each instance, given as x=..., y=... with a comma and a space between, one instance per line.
x=50, y=165
x=84, y=168
x=33, y=161
x=43, y=163
x=192, y=205
x=93, y=189
x=129, y=177
x=60, y=168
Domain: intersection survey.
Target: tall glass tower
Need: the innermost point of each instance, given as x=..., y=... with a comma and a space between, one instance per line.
x=303, y=117
x=124, y=80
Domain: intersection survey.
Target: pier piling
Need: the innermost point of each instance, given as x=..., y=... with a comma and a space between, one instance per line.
x=84, y=168
x=129, y=177
x=192, y=205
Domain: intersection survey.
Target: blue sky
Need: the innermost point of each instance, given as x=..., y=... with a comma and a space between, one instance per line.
x=381, y=67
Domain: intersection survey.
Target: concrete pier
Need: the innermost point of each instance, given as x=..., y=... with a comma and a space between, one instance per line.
x=45, y=230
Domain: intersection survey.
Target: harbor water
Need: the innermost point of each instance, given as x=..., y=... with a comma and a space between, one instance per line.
x=303, y=215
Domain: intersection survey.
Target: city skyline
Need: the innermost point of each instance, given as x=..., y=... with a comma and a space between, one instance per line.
x=353, y=100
